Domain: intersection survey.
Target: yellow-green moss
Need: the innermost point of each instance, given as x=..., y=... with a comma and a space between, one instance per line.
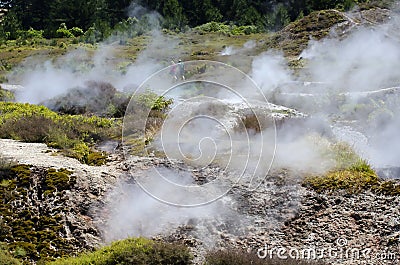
x=354, y=179
x=29, y=230
x=139, y=251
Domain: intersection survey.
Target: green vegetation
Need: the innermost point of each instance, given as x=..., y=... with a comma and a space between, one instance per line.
x=73, y=134
x=226, y=29
x=100, y=19
x=138, y=251
x=294, y=38
x=6, y=95
x=33, y=233
x=5, y=256
x=351, y=174
x=152, y=108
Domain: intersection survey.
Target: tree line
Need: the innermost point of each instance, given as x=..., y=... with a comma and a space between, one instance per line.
x=48, y=15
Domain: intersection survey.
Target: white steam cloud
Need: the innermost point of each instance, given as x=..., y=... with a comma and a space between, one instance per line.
x=365, y=60
x=43, y=81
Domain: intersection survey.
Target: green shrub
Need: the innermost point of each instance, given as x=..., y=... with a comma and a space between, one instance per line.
x=74, y=134
x=6, y=95
x=76, y=31
x=5, y=256
x=138, y=251
x=226, y=29
x=64, y=33
x=357, y=177
x=214, y=27
x=32, y=34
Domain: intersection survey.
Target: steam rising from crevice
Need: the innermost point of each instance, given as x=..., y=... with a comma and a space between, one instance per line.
x=367, y=59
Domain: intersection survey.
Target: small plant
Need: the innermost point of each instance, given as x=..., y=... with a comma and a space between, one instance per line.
x=34, y=34
x=76, y=31
x=63, y=32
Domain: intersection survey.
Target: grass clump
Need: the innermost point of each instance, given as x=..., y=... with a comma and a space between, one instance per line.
x=138, y=251
x=73, y=134
x=354, y=179
x=351, y=174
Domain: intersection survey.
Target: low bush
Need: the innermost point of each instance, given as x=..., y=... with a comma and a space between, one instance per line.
x=63, y=32
x=353, y=180
x=76, y=31
x=138, y=251
x=6, y=95
x=74, y=134
x=5, y=256
x=226, y=29
x=98, y=98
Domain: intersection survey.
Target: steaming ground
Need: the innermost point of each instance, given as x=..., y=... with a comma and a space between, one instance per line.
x=340, y=95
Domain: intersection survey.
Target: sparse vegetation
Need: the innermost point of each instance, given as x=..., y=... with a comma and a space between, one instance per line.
x=6, y=95
x=294, y=38
x=33, y=234
x=73, y=134
x=138, y=251
x=351, y=174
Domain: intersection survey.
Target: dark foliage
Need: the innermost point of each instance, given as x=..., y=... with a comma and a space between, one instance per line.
x=176, y=14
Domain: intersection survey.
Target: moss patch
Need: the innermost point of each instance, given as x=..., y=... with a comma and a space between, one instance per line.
x=32, y=222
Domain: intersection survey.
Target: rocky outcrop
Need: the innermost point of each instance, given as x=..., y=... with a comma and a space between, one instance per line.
x=279, y=213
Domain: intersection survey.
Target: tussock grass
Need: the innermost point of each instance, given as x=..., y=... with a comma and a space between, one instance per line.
x=351, y=174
